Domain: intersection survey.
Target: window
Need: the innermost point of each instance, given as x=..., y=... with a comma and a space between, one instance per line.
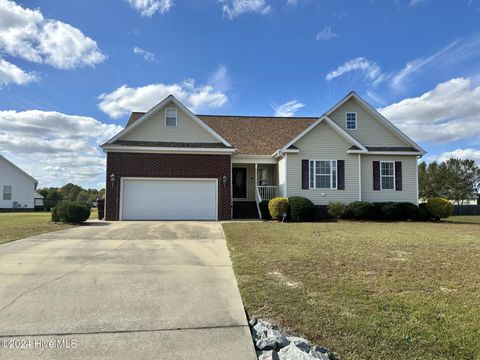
x=7, y=193
x=387, y=175
x=351, y=120
x=171, y=117
x=323, y=174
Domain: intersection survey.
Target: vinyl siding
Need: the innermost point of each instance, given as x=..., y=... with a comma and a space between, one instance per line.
x=409, y=180
x=370, y=132
x=282, y=176
x=323, y=143
x=154, y=129
x=23, y=187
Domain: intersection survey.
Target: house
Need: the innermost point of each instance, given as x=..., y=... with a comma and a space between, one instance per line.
x=172, y=164
x=18, y=189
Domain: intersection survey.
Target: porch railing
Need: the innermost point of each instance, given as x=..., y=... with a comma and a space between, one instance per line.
x=267, y=192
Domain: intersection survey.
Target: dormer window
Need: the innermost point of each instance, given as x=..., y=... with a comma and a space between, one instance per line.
x=351, y=120
x=171, y=117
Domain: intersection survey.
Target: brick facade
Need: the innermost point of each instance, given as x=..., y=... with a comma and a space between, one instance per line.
x=165, y=166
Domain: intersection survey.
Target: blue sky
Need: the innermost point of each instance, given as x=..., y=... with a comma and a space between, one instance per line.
x=71, y=71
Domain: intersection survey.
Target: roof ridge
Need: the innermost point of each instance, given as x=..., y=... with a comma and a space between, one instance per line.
x=263, y=116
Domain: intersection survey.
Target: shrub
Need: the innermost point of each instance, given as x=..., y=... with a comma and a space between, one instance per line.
x=360, y=210
x=71, y=212
x=301, y=209
x=439, y=207
x=264, y=210
x=336, y=209
x=277, y=207
x=421, y=215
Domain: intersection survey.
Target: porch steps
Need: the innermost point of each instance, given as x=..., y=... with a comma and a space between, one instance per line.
x=245, y=210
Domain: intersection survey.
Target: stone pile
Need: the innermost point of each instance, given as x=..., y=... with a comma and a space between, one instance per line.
x=272, y=344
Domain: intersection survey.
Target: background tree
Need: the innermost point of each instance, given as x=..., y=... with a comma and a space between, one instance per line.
x=454, y=179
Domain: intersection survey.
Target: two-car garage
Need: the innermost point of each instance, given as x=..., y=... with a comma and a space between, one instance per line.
x=168, y=199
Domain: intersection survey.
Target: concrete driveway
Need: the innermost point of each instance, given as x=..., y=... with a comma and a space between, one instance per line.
x=126, y=290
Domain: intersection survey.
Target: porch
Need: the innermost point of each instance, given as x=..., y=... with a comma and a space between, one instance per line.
x=252, y=182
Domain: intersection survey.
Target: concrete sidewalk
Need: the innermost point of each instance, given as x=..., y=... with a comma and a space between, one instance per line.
x=127, y=290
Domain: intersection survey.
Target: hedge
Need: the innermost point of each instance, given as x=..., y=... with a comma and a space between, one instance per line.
x=71, y=212
x=277, y=207
x=387, y=211
x=264, y=210
x=439, y=208
x=301, y=209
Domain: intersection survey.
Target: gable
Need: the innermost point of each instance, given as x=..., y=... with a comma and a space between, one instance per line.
x=11, y=171
x=324, y=141
x=154, y=129
x=370, y=131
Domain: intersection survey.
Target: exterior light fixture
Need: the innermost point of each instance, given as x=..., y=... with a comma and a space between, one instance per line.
x=224, y=180
x=112, y=178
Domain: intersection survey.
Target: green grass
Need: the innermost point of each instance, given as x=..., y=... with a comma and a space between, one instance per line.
x=19, y=225
x=464, y=219
x=365, y=290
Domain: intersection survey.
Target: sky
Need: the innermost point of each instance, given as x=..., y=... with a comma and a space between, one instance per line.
x=72, y=71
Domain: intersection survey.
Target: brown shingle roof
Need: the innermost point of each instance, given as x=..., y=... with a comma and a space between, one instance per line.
x=257, y=135
x=252, y=135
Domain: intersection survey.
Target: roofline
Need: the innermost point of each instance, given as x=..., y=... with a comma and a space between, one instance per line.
x=378, y=116
x=330, y=122
x=22, y=171
x=416, y=153
x=149, y=113
x=264, y=116
x=159, y=149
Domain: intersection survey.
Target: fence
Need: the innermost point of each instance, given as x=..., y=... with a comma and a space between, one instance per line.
x=466, y=209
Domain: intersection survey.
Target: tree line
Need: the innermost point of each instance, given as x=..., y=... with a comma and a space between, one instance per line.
x=455, y=179
x=70, y=192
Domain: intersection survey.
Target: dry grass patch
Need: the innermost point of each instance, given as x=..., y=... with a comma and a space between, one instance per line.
x=365, y=290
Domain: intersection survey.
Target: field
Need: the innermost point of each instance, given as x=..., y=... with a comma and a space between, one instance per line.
x=366, y=290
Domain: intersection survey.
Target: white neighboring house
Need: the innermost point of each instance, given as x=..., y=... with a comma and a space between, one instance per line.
x=17, y=188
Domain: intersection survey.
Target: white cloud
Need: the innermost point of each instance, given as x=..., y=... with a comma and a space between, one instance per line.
x=150, y=7
x=234, y=8
x=12, y=74
x=147, y=55
x=55, y=148
x=467, y=153
x=413, y=3
x=369, y=68
x=292, y=2
x=126, y=99
x=220, y=79
x=449, y=112
x=326, y=34
x=26, y=34
x=287, y=109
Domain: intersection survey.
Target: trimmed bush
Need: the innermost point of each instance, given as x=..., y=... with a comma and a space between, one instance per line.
x=421, y=215
x=301, y=209
x=439, y=208
x=71, y=212
x=360, y=210
x=336, y=209
x=277, y=207
x=264, y=210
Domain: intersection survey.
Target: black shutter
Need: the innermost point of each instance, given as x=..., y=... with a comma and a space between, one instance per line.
x=376, y=175
x=398, y=176
x=305, y=175
x=341, y=174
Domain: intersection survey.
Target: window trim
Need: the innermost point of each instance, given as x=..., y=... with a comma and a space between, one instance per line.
x=356, y=120
x=10, y=193
x=176, y=117
x=315, y=174
x=393, y=175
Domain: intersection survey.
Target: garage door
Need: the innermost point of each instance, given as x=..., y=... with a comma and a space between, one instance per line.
x=169, y=199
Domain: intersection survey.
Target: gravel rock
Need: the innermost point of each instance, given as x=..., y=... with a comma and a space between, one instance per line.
x=301, y=343
x=269, y=355
x=267, y=336
x=318, y=352
x=291, y=352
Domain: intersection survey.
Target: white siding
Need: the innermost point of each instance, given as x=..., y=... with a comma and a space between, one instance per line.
x=323, y=143
x=370, y=132
x=154, y=129
x=282, y=176
x=23, y=187
x=409, y=179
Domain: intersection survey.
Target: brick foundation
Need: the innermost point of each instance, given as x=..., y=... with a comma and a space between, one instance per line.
x=165, y=166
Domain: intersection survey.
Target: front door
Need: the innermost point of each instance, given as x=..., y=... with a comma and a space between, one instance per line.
x=239, y=183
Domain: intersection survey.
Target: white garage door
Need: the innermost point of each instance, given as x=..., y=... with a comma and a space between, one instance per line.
x=169, y=199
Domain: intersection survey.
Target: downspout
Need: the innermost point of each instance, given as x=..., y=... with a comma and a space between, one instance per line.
x=359, y=177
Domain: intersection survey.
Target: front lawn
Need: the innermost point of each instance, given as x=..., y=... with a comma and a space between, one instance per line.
x=464, y=219
x=19, y=225
x=365, y=290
